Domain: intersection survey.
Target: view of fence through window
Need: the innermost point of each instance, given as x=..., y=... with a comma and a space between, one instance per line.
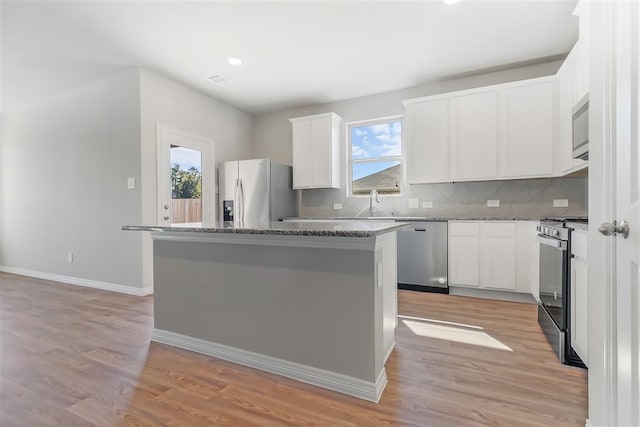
x=186, y=185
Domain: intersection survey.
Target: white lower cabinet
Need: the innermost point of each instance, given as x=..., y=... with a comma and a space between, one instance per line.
x=579, y=294
x=464, y=253
x=491, y=255
x=498, y=264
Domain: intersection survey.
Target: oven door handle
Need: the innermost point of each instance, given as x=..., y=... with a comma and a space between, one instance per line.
x=554, y=243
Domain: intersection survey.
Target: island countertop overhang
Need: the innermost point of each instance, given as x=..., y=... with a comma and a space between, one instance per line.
x=356, y=229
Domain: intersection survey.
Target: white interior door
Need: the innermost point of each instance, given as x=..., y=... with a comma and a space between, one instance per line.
x=614, y=261
x=186, y=178
x=627, y=208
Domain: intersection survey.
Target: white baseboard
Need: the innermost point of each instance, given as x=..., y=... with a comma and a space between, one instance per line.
x=105, y=286
x=319, y=377
x=386, y=356
x=492, y=294
x=588, y=423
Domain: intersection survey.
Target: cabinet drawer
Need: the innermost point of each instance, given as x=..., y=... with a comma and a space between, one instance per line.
x=464, y=228
x=500, y=229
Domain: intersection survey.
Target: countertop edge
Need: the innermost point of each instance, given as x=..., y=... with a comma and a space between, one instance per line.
x=268, y=231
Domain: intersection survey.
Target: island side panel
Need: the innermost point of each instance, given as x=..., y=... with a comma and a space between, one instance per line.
x=387, y=250
x=312, y=306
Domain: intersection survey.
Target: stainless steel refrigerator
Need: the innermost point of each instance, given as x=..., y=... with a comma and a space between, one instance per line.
x=255, y=192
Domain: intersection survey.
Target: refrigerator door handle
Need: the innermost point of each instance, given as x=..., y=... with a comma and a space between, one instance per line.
x=241, y=201
x=236, y=208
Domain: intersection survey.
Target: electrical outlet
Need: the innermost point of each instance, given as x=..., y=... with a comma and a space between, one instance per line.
x=560, y=203
x=69, y=256
x=493, y=203
x=413, y=203
x=131, y=183
x=427, y=205
x=337, y=206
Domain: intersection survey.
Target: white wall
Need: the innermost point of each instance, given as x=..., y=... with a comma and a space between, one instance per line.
x=64, y=167
x=167, y=102
x=272, y=137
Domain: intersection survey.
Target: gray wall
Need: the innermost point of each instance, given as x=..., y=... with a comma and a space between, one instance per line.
x=170, y=103
x=64, y=167
x=525, y=198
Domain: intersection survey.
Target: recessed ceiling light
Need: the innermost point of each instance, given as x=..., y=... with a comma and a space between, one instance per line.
x=451, y=1
x=234, y=60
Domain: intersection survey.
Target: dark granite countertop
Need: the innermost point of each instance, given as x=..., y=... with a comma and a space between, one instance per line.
x=362, y=228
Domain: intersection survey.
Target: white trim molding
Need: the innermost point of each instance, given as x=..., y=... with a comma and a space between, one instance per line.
x=367, y=390
x=87, y=283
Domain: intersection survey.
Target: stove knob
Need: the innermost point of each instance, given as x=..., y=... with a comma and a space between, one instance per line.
x=556, y=233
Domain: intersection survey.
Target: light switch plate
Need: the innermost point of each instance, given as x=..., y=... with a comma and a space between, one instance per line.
x=560, y=203
x=337, y=206
x=413, y=203
x=131, y=183
x=493, y=203
x=427, y=205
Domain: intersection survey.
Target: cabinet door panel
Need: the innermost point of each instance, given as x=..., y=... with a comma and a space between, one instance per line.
x=426, y=135
x=499, y=262
x=301, y=150
x=464, y=261
x=527, y=131
x=321, y=155
x=475, y=136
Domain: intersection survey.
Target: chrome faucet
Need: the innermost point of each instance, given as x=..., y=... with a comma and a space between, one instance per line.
x=373, y=195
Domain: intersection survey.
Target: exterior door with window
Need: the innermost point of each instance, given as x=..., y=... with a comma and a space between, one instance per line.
x=186, y=186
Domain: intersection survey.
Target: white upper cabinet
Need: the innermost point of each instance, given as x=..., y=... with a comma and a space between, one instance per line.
x=572, y=85
x=474, y=139
x=426, y=137
x=316, y=151
x=497, y=132
x=527, y=131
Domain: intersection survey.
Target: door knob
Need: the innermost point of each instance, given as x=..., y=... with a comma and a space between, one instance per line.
x=609, y=229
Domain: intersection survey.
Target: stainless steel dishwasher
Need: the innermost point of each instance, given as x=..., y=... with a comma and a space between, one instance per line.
x=422, y=257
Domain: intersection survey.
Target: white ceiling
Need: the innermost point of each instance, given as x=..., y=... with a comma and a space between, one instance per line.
x=294, y=53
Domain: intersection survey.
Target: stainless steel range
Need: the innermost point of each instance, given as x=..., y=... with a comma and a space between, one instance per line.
x=555, y=297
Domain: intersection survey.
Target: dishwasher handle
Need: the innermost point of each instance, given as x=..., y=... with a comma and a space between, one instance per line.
x=420, y=229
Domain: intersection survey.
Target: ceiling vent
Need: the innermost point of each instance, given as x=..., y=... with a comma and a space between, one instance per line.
x=219, y=80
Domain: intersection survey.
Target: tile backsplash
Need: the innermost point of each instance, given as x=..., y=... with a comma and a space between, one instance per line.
x=525, y=198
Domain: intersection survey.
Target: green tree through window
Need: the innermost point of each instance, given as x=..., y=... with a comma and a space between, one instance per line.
x=185, y=184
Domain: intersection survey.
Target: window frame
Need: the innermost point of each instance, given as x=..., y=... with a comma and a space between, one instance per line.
x=351, y=161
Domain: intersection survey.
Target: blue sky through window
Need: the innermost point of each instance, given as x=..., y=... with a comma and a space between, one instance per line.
x=378, y=140
x=186, y=158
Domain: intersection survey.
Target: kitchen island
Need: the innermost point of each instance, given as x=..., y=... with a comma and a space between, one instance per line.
x=315, y=302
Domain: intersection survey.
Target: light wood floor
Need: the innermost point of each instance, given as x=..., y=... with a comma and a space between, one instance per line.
x=75, y=356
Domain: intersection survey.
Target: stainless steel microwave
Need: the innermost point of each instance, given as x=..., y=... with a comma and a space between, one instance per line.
x=580, y=132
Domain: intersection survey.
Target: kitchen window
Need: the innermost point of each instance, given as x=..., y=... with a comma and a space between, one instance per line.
x=375, y=160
